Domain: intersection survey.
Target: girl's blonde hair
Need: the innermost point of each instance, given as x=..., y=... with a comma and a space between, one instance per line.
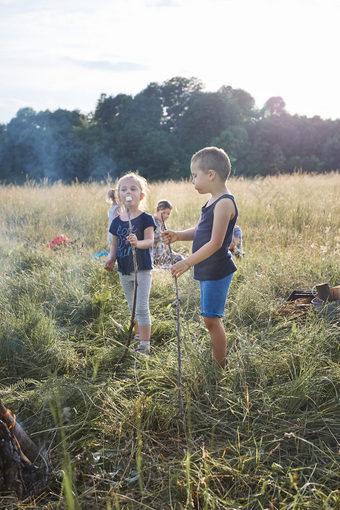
x=111, y=197
x=140, y=181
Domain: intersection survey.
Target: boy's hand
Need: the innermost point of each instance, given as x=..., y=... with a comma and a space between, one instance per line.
x=132, y=240
x=179, y=268
x=109, y=264
x=169, y=236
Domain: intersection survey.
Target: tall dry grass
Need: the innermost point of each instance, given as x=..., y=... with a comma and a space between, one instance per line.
x=280, y=210
x=262, y=434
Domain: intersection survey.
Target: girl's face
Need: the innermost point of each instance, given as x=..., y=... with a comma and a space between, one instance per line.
x=163, y=212
x=129, y=188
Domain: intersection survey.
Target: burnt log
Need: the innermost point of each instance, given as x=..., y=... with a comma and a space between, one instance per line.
x=24, y=470
x=28, y=447
x=17, y=473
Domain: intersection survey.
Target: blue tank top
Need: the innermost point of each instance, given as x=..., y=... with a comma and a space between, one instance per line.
x=220, y=264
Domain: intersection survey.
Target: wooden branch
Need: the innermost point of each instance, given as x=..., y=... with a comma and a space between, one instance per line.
x=178, y=331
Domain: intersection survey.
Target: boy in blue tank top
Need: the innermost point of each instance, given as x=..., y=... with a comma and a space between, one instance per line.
x=213, y=264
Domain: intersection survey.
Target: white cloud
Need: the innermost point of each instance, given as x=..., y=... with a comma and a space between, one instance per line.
x=78, y=49
x=105, y=65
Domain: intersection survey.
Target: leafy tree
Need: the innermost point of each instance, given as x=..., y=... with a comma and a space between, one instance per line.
x=331, y=153
x=243, y=103
x=274, y=106
x=46, y=145
x=159, y=129
x=207, y=116
x=235, y=141
x=126, y=124
x=306, y=163
x=176, y=95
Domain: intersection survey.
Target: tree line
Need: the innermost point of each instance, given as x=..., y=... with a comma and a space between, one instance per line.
x=157, y=131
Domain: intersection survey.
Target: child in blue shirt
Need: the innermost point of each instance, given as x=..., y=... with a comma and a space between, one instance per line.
x=211, y=258
x=133, y=187
x=236, y=243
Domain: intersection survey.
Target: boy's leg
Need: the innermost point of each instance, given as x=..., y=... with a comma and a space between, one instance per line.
x=213, y=299
x=218, y=339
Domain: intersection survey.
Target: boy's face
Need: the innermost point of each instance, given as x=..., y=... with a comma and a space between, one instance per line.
x=165, y=213
x=201, y=180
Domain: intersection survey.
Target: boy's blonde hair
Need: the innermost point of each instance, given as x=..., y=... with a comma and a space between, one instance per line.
x=140, y=181
x=212, y=158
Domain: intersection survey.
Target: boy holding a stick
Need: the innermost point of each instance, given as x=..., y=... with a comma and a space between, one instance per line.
x=212, y=261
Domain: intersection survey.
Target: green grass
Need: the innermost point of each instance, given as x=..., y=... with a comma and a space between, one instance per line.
x=263, y=434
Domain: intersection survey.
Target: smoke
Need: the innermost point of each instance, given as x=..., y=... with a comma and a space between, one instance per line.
x=53, y=146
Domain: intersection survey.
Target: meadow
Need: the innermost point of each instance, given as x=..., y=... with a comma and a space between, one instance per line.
x=263, y=434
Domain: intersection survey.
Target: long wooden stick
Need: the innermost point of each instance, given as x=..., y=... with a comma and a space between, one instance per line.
x=178, y=331
x=135, y=267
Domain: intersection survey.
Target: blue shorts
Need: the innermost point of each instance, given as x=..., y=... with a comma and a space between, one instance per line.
x=214, y=295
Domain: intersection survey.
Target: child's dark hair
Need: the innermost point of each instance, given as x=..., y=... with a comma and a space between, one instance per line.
x=212, y=158
x=163, y=204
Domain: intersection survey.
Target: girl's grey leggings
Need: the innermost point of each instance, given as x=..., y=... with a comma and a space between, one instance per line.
x=143, y=293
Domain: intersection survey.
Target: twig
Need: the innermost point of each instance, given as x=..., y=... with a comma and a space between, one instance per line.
x=135, y=267
x=179, y=357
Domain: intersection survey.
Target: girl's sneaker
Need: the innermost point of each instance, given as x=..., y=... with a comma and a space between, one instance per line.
x=143, y=348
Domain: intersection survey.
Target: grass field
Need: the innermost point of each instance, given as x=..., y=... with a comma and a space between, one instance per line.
x=264, y=434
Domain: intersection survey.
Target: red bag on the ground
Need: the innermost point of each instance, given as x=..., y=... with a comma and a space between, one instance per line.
x=61, y=239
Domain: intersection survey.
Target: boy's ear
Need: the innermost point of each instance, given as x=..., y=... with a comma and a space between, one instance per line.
x=211, y=174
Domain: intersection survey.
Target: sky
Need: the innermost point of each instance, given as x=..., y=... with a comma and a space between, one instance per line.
x=66, y=53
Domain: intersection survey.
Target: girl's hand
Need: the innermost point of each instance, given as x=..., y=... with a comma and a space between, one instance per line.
x=109, y=264
x=169, y=236
x=132, y=240
x=179, y=268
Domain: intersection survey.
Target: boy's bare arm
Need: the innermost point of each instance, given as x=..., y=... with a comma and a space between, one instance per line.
x=111, y=260
x=171, y=236
x=224, y=212
x=187, y=235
